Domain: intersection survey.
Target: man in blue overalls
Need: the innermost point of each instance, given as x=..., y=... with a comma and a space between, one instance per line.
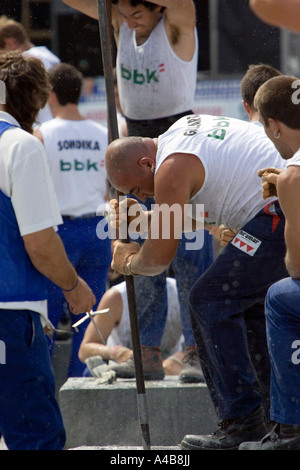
x=30, y=249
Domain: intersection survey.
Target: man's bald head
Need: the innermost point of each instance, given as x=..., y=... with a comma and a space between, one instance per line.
x=123, y=156
x=120, y=153
x=130, y=164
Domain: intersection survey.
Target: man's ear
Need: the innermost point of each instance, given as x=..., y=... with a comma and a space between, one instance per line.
x=52, y=97
x=246, y=107
x=274, y=126
x=146, y=162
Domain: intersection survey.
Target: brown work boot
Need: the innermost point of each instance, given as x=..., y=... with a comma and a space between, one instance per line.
x=231, y=433
x=192, y=371
x=152, y=365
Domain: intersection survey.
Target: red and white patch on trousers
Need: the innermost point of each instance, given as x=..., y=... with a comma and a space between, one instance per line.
x=246, y=243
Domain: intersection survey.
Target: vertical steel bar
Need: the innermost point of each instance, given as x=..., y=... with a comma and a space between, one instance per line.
x=106, y=48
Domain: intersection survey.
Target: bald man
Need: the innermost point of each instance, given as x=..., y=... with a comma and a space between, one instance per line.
x=213, y=161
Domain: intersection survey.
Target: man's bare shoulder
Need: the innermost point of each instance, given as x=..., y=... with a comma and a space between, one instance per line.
x=288, y=187
x=180, y=174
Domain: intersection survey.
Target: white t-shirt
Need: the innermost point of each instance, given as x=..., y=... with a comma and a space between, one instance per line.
x=44, y=54
x=172, y=337
x=153, y=81
x=25, y=178
x=76, y=154
x=231, y=151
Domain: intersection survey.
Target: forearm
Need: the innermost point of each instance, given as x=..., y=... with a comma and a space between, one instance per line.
x=151, y=259
x=278, y=12
x=154, y=257
x=144, y=266
x=94, y=349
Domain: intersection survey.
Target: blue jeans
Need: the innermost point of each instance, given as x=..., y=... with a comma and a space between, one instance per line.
x=151, y=292
x=91, y=258
x=283, y=333
x=227, y=304
x=29, y=418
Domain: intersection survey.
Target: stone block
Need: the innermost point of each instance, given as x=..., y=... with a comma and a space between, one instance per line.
x=106, y=414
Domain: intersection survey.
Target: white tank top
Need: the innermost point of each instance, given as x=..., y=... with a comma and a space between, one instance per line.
x=231, y=152
x=76, y=154
x=153, y=81
x=171, y=341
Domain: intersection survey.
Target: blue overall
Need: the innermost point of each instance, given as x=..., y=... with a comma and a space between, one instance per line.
x=283, y=334
x=91, y=258
x=227, y=304
x=30, y=418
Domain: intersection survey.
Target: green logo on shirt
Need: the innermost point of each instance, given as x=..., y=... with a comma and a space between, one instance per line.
x=137, y=77
x=77, y=165
x=220, y=132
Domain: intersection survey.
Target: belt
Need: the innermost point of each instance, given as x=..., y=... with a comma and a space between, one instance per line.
x=84, y=216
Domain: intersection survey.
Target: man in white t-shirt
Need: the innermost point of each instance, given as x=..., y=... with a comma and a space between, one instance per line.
x=213, y=161
x=30, y=250
x=13, y=36
x=278, y=105
x=76, y=151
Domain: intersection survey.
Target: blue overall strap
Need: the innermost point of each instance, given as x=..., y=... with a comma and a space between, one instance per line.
x=4, y=125
x=20, y=281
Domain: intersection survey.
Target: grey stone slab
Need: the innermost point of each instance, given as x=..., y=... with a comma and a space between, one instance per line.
x=106, y=415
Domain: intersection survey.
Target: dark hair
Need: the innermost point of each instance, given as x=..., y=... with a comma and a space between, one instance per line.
x=278, y=99
x=135, y=3
x=26, y=86
x=66, y=82
x=256, y=76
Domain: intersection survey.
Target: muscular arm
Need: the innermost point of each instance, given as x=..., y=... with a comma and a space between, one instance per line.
x=288, y=186
x=280, y=13
x=90, y=8
x=177, y=180
x=180, y=13
x=180, y=24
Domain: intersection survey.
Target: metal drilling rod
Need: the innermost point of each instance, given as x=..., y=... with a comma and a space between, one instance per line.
x=106, y=48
